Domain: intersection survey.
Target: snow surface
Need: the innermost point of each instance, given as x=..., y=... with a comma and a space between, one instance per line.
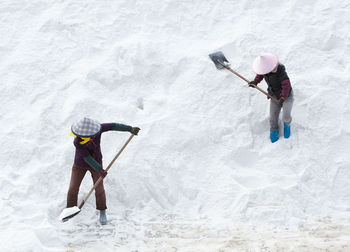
x=202, y=175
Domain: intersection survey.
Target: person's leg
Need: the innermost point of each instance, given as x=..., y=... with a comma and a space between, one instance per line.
x=77, y=176
x=287, y=117
x=287, y=109
x=275, y=110
x=100, y=194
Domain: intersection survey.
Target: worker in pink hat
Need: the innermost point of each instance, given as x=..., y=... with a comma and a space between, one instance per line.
x=266, y=66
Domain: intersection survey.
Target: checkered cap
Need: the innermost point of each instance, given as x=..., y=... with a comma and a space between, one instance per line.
x=86, y=127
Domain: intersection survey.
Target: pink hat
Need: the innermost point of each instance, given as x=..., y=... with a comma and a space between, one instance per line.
x=264, y=63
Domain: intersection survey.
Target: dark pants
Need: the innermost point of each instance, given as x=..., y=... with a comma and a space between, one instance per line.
x=77, y=176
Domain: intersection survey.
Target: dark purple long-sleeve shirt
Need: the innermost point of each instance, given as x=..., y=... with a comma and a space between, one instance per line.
x=93, y=147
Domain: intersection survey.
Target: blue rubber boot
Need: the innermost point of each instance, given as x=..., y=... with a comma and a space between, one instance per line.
x=103, y=217
x=286, y=131
x=273, y=136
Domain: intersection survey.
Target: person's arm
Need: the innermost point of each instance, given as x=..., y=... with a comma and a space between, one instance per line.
x=119, y=127
x=92, y=163
x=115, y=126
x=285, y=89
x=285, y=82
x=95, y=165
x=258, y=78
x=88, y=158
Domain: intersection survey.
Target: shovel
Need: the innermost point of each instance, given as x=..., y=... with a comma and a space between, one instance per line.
x=70, y=212
x=221, y=62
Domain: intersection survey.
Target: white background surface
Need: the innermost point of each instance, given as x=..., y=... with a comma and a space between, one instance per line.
x=202, y=175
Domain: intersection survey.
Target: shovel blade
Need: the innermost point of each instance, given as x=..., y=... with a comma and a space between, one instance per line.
x=68, y=213
x=219, y=60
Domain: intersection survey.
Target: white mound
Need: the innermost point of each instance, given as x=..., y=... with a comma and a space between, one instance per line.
x=202, y=175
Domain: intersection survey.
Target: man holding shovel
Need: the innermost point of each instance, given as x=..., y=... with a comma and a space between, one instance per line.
x=88, y=157
x=266, y=66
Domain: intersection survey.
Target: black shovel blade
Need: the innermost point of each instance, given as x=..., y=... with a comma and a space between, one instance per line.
x=219, y=60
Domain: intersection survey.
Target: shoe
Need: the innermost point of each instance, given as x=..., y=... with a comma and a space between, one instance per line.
x=286, y=131
x=103, y=217
x=274, y=136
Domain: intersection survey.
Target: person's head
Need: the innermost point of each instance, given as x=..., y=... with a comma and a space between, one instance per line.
x=85, y=129
x=82, y=140
x=265, y=63
x=275, y=69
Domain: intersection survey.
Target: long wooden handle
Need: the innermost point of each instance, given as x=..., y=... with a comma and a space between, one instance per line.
x=109, y=166
x=262, y=91
x=121, y=150
x=240, y=76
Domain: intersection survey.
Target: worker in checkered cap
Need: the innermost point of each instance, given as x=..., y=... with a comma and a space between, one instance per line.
x=88, y=157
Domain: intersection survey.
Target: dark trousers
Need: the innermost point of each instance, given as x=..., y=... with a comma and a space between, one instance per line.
x=77, y=176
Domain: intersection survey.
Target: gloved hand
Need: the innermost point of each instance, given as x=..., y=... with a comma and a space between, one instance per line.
x=280, y=102
x=250, y=84
x=103, y=173
x=135, y=130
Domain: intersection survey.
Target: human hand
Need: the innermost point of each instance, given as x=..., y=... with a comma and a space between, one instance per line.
x=280, y=102
x=252, y=83
x=102, y=173
x=135, y=130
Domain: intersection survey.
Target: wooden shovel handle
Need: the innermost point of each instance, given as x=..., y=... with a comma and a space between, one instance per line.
x=262, y=91
x=240, y=76
x=120, y=151
x=109, y=166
